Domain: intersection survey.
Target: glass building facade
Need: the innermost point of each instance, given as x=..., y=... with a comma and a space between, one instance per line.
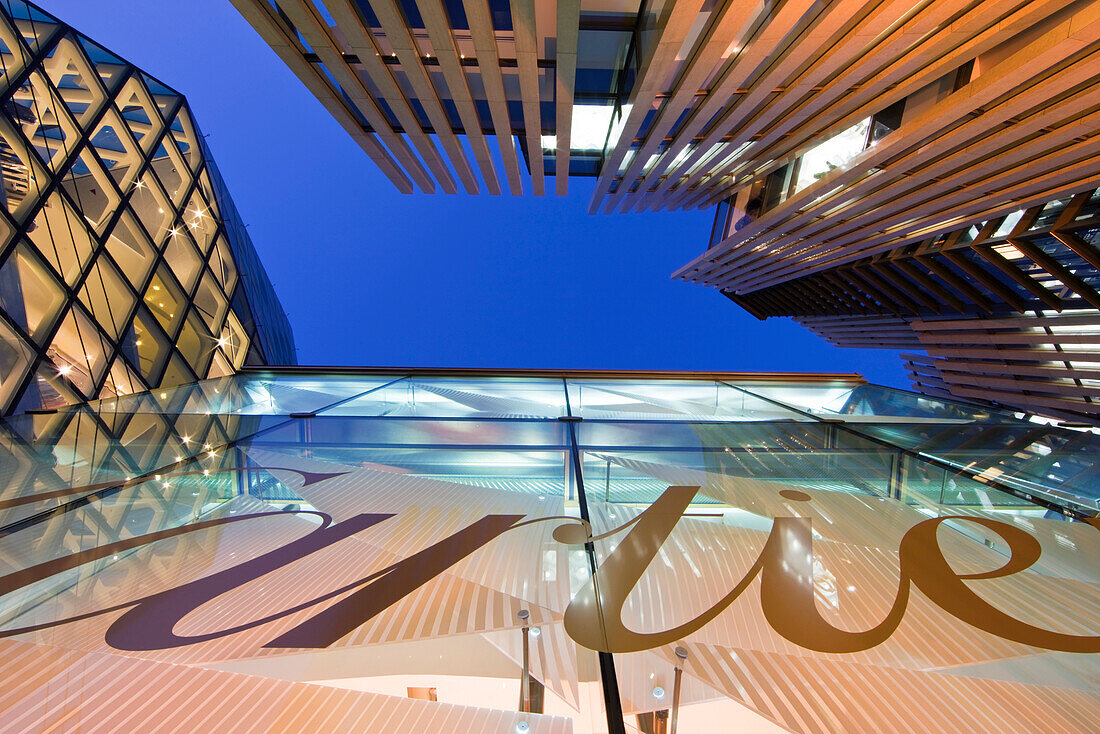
x=124, y=265
x=357, y=550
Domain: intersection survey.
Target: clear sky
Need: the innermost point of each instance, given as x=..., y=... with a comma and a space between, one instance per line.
x=369, y=276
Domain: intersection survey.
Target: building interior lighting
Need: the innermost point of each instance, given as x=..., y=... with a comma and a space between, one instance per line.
x=595, y=125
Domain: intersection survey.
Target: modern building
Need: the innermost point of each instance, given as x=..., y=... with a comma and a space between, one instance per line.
x=297, y=549
x=1004, y=311
x=124, y=264
x=922, y=175
x=194, y=540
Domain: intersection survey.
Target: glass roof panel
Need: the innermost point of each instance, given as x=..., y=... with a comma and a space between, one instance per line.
x=673, y=400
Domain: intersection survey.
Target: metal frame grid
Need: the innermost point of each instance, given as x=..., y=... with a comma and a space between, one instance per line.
x=118, y=272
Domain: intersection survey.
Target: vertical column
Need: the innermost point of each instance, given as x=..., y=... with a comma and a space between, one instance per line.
x=608, y=681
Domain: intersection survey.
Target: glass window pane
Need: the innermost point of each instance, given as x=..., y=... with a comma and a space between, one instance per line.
x=743, y=550
x=15, y=359
x=165, y=301
x=145, y=346
x=29, y=294
x=210, y=303
x=107, y=297
x=152, y=206
x=182, y=259
x=502, y=397
x=60, y=236
x=131, y=249
x=79, y=352
x=674, y=400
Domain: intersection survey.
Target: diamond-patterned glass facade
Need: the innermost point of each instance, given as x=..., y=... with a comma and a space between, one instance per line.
x=122, y=254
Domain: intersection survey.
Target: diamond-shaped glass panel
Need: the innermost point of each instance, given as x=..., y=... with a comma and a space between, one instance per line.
x=49, y=390
x=173, y=172
x=208, y=192
x=46, y=120
x=13, y=54
x=22, y=173
x=140, y=113
x=131, y=250
x=234, y=341
x=92, y=189
x=145, y=346
x=221, y=262
x=165, y=98
x=108, y=297
x=195, y=343
x=200, y=222
x=165, y=301
x=34, y=26
x=177, y=373
x=28, y=293
x=60, y=236
x=119, y=151
x=210, y=303
x=187, y=141
x=75, y=79
x=219, y=366
x=15, y=359
x=108, y=66
x=79, y=352
x=121, y=380
x=151, y=205
x=182, y=258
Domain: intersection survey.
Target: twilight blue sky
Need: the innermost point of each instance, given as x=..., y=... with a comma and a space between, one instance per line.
x=369, y=276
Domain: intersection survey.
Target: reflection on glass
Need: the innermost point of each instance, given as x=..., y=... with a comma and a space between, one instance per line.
x=832, y=154
x=674, y=400
x=444, y=516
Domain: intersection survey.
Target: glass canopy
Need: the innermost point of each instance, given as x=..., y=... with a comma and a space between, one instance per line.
x=557, y=552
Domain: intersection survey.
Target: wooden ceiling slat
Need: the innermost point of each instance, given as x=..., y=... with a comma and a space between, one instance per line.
x=437, y=24
x=397, y=163
x=564, y=78
x=1005, y=266
x=488, y=64
x=991, y=283
x=523, y=30
x=1052, y=266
